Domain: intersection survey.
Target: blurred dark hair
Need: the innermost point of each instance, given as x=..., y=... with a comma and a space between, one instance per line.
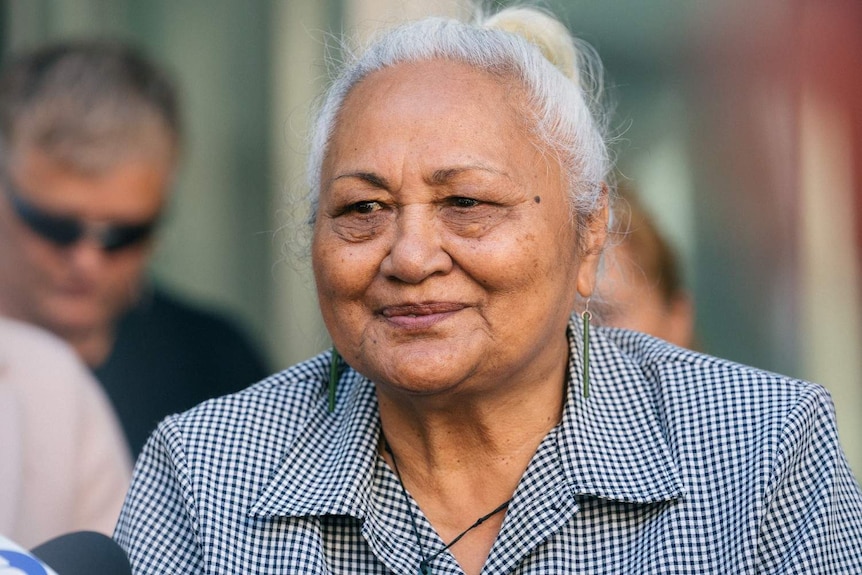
x=633, y=228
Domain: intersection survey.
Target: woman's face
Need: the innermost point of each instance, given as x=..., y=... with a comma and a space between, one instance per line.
x=443, y=251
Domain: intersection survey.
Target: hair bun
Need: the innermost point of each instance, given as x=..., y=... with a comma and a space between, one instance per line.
x=543, y=31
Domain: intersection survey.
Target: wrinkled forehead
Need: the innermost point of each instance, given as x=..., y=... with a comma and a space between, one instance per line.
x=450, y=112
x=424, y=85
x=412, y=74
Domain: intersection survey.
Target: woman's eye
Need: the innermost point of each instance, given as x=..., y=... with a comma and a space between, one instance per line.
x=364, y=207
x=464, y=202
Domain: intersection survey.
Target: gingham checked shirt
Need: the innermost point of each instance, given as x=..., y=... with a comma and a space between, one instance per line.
x=676, y=463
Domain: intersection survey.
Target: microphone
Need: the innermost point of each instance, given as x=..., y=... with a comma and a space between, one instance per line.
x=14, y=560
x=84, y=553
x=78, y=553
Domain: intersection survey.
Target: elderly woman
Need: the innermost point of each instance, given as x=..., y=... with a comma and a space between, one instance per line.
x=459, y=209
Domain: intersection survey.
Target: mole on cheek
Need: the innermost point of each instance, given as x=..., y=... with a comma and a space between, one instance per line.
x=537, y=199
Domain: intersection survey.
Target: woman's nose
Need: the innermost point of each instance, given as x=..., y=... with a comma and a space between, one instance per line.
x=417, y=250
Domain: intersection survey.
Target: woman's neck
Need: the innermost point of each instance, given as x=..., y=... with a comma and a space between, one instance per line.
x=462, y=429
x=460, y=457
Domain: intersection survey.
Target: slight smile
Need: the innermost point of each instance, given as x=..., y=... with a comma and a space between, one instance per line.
x=418, y=316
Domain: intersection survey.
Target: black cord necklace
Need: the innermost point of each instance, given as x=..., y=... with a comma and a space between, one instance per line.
x=424, y=564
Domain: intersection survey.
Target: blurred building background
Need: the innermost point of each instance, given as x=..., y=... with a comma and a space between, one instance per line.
x=740, y=122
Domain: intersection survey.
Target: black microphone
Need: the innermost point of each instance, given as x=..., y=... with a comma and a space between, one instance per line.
x=83, y=553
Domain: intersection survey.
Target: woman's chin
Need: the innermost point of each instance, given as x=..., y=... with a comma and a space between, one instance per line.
x=446, y=356
x=421, y=385
x=422, y=372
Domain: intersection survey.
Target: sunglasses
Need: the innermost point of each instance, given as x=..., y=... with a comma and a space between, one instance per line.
x=65, y=231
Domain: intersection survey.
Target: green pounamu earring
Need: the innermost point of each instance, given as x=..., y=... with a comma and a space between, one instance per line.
x=585, y=318
x=333, y=377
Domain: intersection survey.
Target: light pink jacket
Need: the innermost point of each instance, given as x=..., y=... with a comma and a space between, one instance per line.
x=64, y=463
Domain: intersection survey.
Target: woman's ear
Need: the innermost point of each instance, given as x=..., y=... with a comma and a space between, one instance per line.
x=595, y=232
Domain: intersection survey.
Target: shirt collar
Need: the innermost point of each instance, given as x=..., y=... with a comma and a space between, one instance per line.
x=611, y=444
x=328, y=469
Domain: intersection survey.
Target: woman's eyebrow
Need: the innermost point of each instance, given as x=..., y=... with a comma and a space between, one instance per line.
x=369, y=177
x=445, y=175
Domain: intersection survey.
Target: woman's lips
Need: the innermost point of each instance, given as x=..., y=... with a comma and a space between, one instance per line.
x=420, y=316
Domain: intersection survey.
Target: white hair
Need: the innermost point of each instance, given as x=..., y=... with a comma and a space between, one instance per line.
x=560, y=76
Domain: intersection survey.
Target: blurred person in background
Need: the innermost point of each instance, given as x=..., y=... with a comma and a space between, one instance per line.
x=89, y=146
x=64, y=463
x=641, y=285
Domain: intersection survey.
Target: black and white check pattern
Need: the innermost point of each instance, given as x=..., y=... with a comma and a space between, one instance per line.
x=677, y=463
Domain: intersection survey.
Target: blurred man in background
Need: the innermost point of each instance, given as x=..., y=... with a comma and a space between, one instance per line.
x=64, y=464
x=89, y=144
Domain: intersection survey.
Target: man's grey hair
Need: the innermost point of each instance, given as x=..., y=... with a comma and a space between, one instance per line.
x=87, y=104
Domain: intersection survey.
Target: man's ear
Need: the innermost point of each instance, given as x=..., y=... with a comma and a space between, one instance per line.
x=593, y=241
